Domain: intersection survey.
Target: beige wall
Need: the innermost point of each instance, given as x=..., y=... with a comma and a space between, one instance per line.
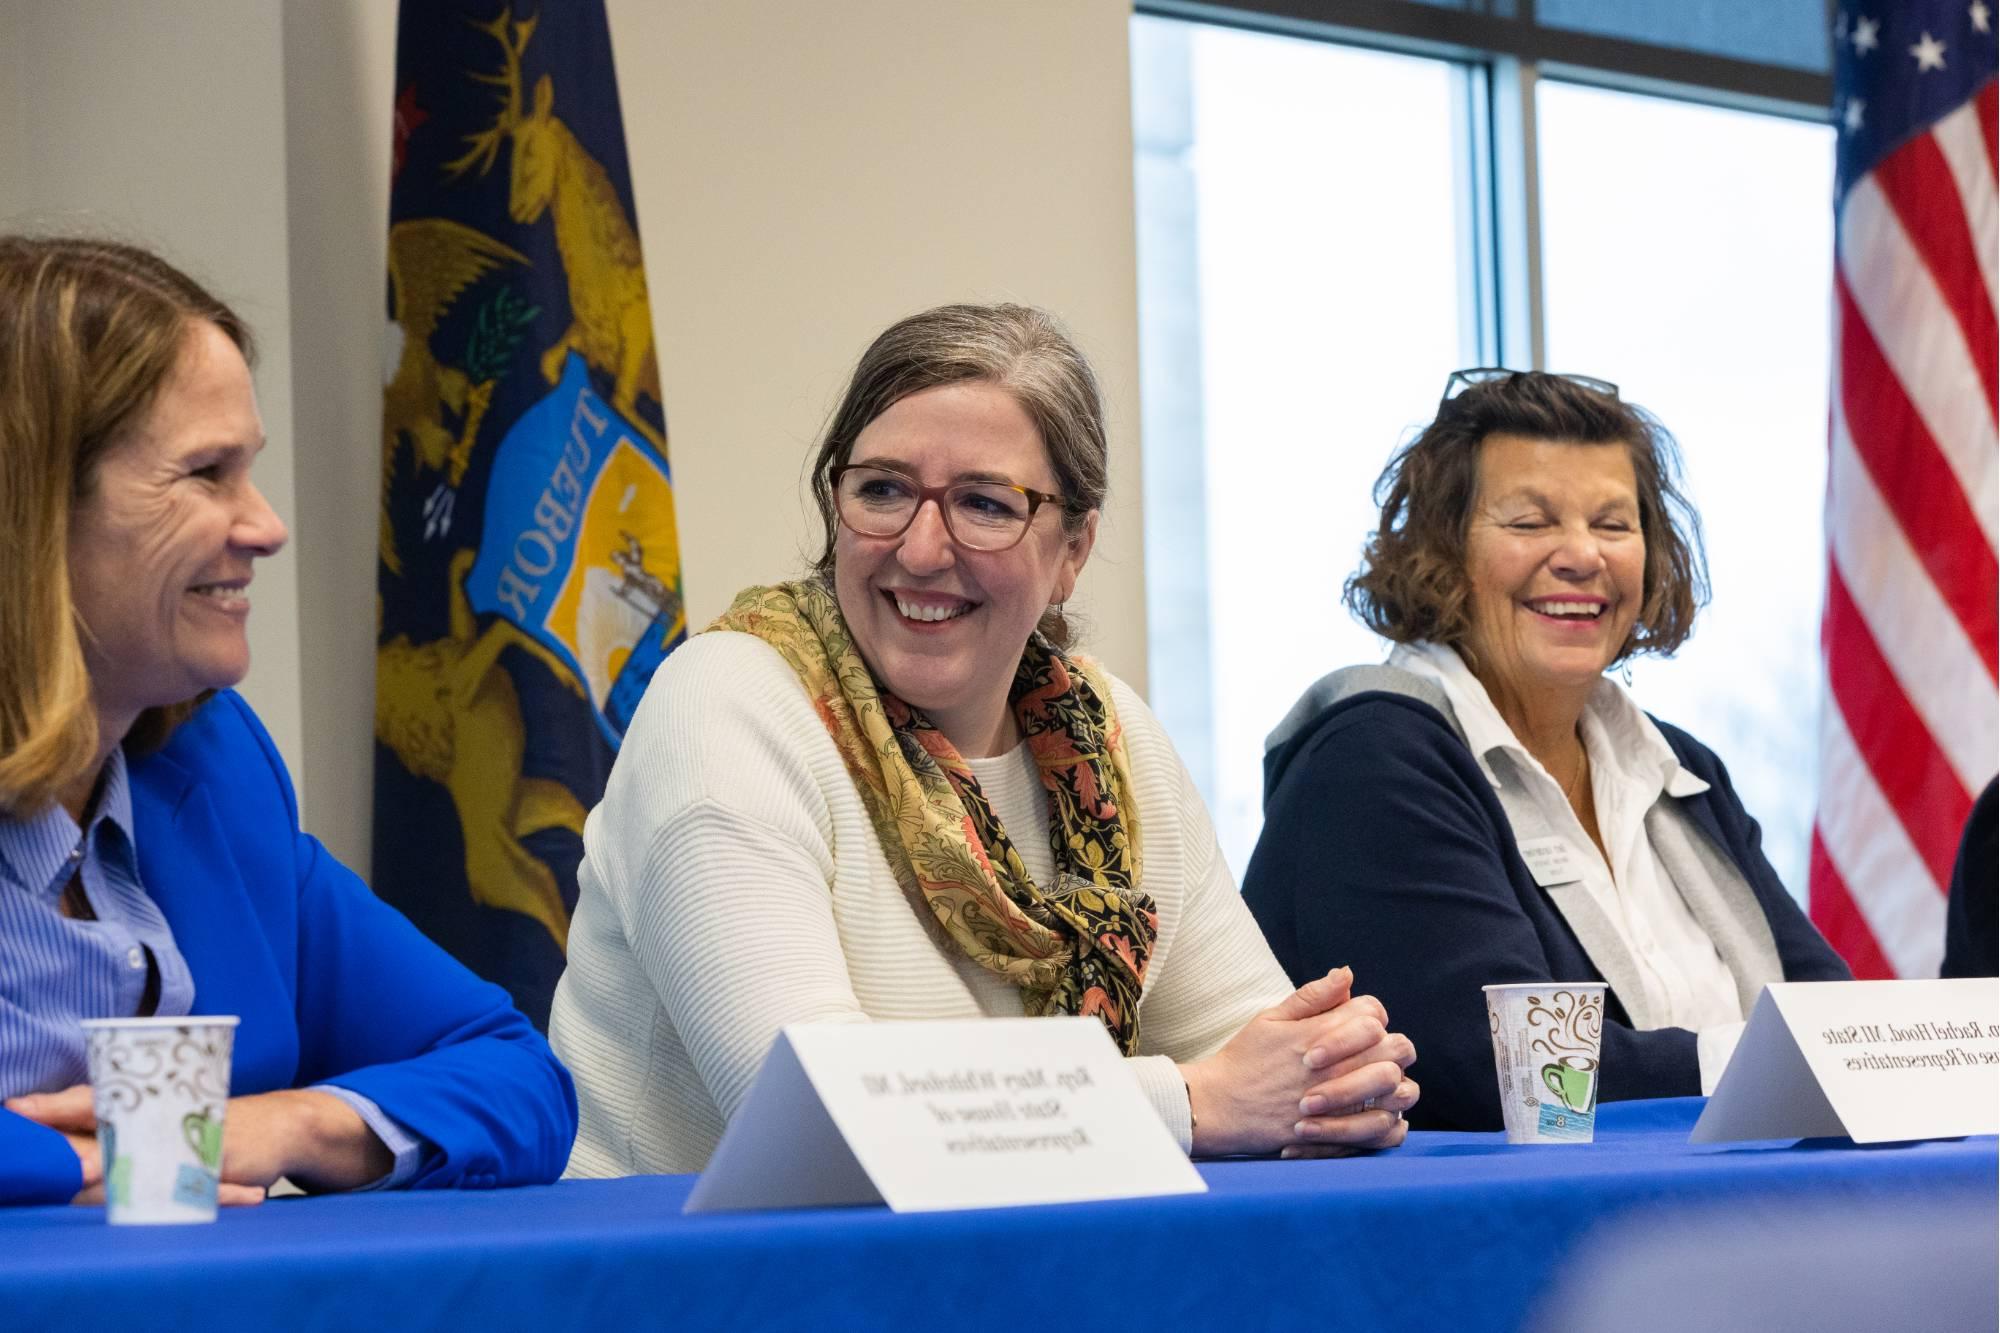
x=340, y=62
x=805, y=173
x=13, y=116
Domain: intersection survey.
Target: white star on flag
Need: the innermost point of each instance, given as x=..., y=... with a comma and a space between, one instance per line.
x=1853, y=115
x=1981, y=15
x=1864, y=35
x=1929, y=52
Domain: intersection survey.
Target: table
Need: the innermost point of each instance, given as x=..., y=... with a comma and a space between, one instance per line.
x=1452, y=1230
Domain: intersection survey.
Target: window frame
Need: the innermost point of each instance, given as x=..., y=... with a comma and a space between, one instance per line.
x=1503, y=55
x=1478, y=32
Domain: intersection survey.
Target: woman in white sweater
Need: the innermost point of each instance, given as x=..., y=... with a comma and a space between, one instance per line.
x=810, y=816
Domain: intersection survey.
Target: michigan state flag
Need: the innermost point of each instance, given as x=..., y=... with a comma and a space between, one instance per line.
x=529, y=573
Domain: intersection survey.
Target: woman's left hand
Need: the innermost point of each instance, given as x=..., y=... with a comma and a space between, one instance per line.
x=313, y=1138
x=1331, y=1129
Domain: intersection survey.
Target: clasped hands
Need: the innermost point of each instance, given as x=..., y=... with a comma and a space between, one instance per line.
x=1317, y=1075
x=313, y=1138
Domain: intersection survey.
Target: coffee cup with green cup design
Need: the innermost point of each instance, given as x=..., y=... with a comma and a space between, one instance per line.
x=1547, y=1040
x=161, y=1089
x=1574, y=1079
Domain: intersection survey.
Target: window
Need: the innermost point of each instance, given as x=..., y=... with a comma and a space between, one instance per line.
x=1326, y=230
x=1304, y=278
x=1733, y=215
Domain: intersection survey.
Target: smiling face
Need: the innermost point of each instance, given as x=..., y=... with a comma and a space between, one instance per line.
x=1555, y=563
x=161, y=546
x=940, y=626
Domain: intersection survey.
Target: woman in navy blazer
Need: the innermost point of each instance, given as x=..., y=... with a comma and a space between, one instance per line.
x=1488, y=807
x=151, y=859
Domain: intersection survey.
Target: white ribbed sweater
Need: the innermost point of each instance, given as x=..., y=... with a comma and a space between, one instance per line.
x=732, y=884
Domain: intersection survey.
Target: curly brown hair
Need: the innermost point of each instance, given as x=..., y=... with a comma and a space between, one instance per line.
x=1412, y=581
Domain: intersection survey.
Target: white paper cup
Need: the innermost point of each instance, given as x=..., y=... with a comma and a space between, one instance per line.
x=160, y=1087
x=1546, y=1040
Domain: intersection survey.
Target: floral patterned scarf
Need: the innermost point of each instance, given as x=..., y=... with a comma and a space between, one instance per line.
x=1079, y=946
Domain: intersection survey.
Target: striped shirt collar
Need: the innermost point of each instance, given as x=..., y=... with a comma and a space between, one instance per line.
x=42, y=852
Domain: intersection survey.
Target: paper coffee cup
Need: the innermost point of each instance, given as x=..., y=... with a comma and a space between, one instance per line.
x=160, y=1087
x=1546, y=1040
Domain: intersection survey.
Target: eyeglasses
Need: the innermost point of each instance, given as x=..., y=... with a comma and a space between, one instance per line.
x=1461, y=380
x=979, y=515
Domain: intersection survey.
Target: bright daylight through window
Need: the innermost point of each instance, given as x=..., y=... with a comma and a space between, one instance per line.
x=1308, y=244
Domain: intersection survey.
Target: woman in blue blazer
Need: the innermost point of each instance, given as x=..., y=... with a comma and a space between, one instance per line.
x=151, y=860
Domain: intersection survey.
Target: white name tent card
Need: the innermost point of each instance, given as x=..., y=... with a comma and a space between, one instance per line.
x=1877, y=1061
x=941, y=1115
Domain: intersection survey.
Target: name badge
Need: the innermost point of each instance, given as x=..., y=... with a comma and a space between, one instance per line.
x=1550, y=860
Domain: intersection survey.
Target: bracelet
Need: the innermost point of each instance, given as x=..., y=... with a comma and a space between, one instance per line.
x=1194, y=1121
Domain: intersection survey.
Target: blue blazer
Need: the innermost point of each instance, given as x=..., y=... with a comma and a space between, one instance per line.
x=332, y=985
x=1385, y=847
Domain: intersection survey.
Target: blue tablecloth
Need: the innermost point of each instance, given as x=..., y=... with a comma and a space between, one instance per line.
x=1452, y=1230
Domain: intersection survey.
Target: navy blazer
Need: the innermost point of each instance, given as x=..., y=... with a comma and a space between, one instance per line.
x=1971, y=932
x=1385, y=847
x=332, y=985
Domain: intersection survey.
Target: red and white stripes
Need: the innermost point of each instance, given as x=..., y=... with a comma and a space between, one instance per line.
x=1911, y=633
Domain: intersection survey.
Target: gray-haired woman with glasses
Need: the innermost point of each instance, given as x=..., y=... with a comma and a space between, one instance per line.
x=888, y=791
x=1488, y=807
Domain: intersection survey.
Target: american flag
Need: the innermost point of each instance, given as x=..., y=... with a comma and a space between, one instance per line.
x=1910, y=632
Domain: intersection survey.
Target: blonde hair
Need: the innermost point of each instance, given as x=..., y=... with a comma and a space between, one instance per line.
x=89, y=331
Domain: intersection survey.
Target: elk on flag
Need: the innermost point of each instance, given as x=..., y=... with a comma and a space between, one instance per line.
x=1908, y=730
x=529, y=572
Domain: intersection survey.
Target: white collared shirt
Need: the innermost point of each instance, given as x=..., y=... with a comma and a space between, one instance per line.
x=1631, y=766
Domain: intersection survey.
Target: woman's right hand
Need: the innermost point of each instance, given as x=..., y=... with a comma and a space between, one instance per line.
x=61, y=1111
x=1296, y=1077
x=72, y=1114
